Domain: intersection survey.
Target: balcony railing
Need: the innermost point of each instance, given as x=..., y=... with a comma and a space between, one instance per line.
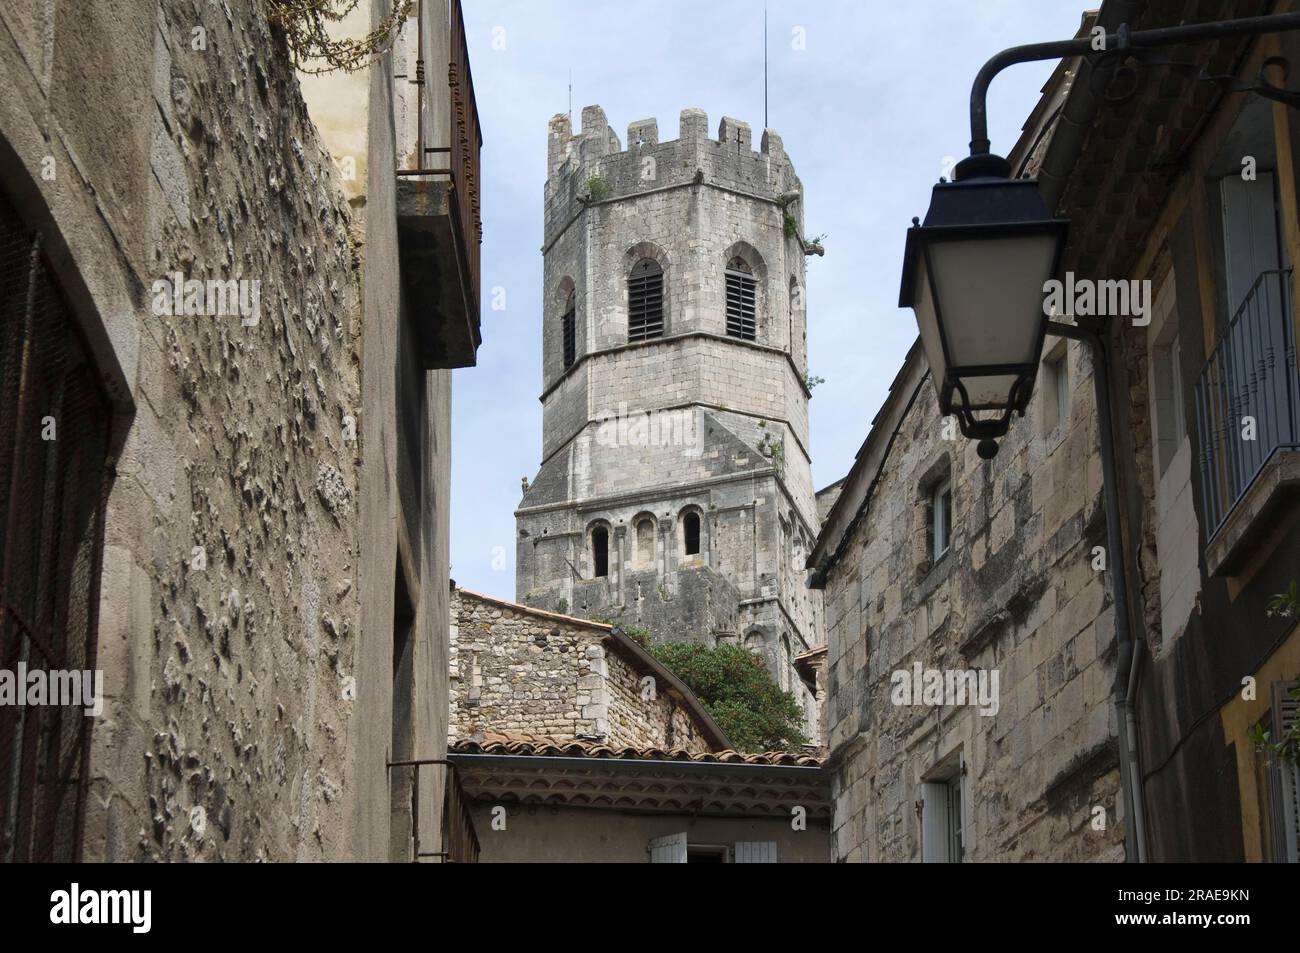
x=1248, y=396
x=449, y=138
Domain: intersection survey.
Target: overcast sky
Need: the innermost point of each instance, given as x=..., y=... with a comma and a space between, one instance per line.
x=868, y=110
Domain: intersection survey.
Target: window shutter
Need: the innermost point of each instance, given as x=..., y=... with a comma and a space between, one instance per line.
x=935, y=832
x=1250, y=233
x=740, y=305
x=569, y=324
x=669, y=849
x=755, y=852
x=1286, y=777
x=645, y=302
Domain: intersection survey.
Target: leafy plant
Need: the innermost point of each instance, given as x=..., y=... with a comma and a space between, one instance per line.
x=598, y=188
x=1287, y=746
x=739, y=692
x=305, y=24
x=791, y=226
x=1285, y=605
x=812, y=381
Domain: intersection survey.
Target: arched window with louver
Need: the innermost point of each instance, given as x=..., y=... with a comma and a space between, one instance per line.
x=645, y=301
x=741, y=290
x=568, y=327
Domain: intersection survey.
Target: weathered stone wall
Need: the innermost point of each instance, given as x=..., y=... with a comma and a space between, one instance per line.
x=246, y=717
x=229, y=610
x=516, y=670
x=1018, y=595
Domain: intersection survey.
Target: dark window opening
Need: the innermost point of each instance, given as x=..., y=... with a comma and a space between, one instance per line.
x=691, y=532
x=568, y=324
x=645, y=302
x=600, y=550
x=740, y=300
x=54, y=441
x=401, y=786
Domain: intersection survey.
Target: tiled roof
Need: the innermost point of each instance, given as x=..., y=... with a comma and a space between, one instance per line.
x=545, y=746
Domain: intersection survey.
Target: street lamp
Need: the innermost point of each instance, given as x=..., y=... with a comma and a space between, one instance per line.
x=974, y=271
x=974, y=274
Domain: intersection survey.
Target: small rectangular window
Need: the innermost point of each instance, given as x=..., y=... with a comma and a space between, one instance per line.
x=600, y=551
x=940, y=513
x=1055, y=389
x=943, y=835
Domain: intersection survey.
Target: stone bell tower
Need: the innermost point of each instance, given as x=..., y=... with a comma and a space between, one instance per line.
x=675, y=490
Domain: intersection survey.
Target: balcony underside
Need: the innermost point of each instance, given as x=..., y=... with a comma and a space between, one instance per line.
x=435, y=274
x=1256, y=514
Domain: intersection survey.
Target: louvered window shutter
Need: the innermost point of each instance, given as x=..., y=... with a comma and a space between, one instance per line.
x=740, y=304
x=569, y=326
x=1286, y=777
x=669, y=849
x=645, y=302
x=755, y=852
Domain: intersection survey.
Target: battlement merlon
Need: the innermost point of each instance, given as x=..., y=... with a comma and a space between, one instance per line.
x=729, y=159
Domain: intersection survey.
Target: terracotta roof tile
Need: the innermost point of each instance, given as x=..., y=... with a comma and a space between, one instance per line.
x=546, y=746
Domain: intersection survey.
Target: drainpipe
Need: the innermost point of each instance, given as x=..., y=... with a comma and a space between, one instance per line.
x=1129, y=649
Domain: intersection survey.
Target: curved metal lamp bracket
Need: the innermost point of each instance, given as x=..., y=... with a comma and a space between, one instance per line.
x=1132, y=52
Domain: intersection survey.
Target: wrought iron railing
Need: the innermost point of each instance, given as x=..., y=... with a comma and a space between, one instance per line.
x=459, y=841
x=1247, y=396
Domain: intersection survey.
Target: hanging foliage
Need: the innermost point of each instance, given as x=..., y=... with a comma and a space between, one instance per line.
x=306, y=27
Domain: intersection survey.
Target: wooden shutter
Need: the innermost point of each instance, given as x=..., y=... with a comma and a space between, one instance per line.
x=740, y=305
x=669, y=849
x=755, y=852
x=1286, y=777
x=1250, y=233
x=645, y=302
x=936, y=833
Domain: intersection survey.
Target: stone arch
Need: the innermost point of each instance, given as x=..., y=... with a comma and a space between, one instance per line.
x=696, y=533
x=742, y=258
x=642, y=261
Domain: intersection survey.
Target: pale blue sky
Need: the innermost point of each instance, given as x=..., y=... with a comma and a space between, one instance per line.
x=868, y=113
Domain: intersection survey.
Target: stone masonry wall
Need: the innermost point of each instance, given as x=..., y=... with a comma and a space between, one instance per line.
x=516, y=670
x=1018, y=594
x=228, y=611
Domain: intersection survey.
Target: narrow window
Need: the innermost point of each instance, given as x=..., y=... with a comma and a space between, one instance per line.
x=645, y=543
x=600, y=551
x=645, y=301
x=740, y=300
x=568, y=327
x=1056, y=389
x=940, y=513
x=691, y=533
x=1170, y=424
x=943, y=834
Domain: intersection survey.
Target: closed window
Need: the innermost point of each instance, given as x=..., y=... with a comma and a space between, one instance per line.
x=943, y=834
x=740, y=300
x=645, y=301
x=645, y=543
x=568, y=329
x=939, y=530
x=1056, y=388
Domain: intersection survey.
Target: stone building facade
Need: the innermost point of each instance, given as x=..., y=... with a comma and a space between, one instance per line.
x=675, y=488
x=266, y=628
x=518, y=671
x=1010, y=593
